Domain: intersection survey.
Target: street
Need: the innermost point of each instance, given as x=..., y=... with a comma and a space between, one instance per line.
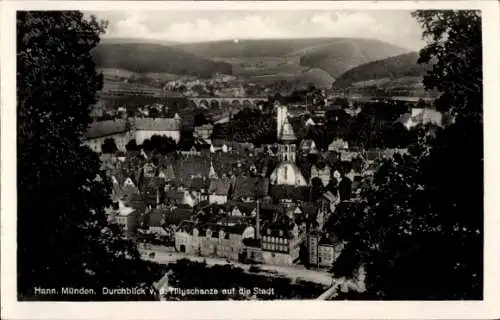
x=292, y=272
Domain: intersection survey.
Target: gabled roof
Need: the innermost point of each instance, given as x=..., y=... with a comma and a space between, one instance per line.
x=310, y=122
x=283, y=224
x=338, y=144
x=250, y=187
x=286, y=133
x=219, y=187
x=157, y=124
x=185, y=167
x=404, y=118
x=175, y=196
x=243, y=207
x=307, y=144
x=105, y=128
x=179, y=214
x=167, y=172
x=156, y=218
x=198, y=184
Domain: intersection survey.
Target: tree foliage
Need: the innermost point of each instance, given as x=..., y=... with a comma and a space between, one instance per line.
x=132, y=145
x=248, y=125
x=419, y=230
x=109, y=146
x=162, y=144
x=63, y=238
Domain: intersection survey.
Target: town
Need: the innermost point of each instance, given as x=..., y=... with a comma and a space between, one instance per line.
x=179, y=187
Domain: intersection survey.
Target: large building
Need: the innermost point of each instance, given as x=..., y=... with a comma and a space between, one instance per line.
x=287, y=172
x=145, y=128
x=210, y=239
x=98, y=132
x=421, y=116
x=124, y=216
x=122, y=131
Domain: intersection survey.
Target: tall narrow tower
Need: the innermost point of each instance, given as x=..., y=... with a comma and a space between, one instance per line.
x=282, y=112
x=286, y=136
x=286, y=173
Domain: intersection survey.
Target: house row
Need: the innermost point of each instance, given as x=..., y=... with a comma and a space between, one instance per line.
x=277, y=242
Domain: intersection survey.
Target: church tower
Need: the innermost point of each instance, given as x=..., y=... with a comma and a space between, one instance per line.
x=286, y=136
x=286, y=173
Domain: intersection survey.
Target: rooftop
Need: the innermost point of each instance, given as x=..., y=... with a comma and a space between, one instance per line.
x=157, y=124
x=105, y=128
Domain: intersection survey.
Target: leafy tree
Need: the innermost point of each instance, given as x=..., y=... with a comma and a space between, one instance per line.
x=62, y=237
x=109, y=146
x=163, y=144
x=418, y=231
x=248, y=125
x=154, y=113
x=200, y=119
x=304, y=255
x=147, y=146
x=132, y=145
x=317, y=189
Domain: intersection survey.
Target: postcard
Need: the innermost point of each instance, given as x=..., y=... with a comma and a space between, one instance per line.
x=256, y=160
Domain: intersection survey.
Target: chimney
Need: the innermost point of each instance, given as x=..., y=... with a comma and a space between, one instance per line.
x=257, y=225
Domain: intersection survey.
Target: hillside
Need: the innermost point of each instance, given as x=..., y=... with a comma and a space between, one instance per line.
x=343, y=54
x=138, y=40
x=399, y=71
x=250, y=48
x=318, y=77
x=155, y=58
x=266, y=57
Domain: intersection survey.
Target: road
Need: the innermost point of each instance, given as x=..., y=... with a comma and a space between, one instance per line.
x=292, y=272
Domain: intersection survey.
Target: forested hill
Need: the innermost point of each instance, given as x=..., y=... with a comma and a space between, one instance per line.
x=394, y=71
x=333, y=55
x=149, y=57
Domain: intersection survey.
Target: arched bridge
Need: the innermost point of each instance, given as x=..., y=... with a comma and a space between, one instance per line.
x=214, y=102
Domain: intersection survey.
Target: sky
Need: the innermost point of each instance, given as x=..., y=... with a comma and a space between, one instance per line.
x=396, y=27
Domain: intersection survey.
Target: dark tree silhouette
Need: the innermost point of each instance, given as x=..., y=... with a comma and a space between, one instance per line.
x=147, y=146
x=163, y=144
x=200, y=119
x=317, y=189
x=132, y=145
x=248, y=125
x=109, y=146
x=63, y=239
x=154, y=113
x=420, y=234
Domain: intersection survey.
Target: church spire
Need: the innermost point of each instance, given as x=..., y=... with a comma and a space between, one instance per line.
x=284, y=128
x=212, y=174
